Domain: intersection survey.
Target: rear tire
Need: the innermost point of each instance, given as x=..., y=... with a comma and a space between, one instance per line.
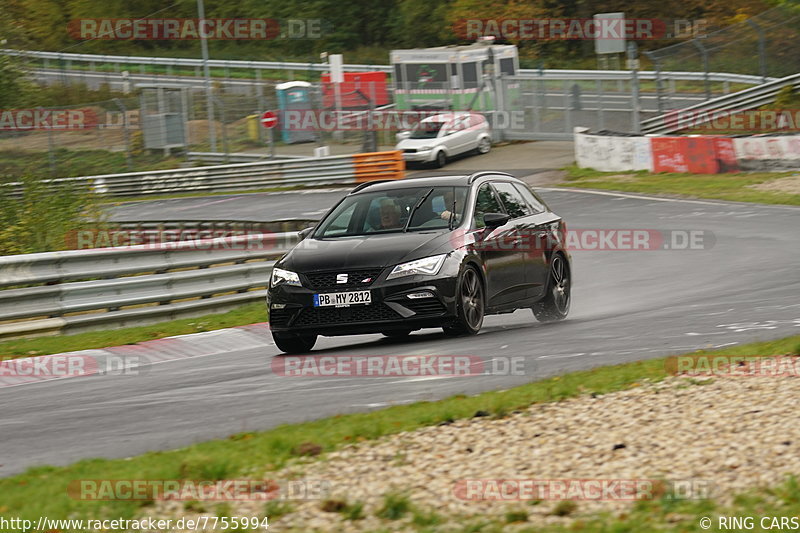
x=555, y=305
x=469, y=305
x=290, y=343
x=484, y=145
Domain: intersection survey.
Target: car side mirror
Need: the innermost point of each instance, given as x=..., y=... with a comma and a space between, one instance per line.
x=495, y=220
x=305, y=232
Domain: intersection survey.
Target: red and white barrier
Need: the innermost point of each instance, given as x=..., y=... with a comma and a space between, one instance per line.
x=698, y=154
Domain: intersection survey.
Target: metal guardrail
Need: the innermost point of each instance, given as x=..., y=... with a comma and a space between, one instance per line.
x=82, y=290
x=213, y=226
x=333, y=170
x=556, y=74
x=746, y=99
x=221, y=157
x=188, y=62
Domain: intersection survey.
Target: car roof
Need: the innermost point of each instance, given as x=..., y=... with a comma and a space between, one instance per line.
x=454, y=180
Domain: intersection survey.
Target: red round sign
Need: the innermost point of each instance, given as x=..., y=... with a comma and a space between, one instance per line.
x=269, y=119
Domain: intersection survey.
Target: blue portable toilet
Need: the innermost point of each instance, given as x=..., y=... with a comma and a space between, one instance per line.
x=294, y=95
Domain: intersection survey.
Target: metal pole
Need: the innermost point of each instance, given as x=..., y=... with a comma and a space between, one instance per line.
x=706, y=80
x=126, y=133
x=224, y=132
x=634, y=60
x=762, y=54
x=50, y=148
x=212, y=134
x=657, y=67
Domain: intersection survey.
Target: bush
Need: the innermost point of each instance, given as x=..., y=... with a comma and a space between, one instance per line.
x=43, y=218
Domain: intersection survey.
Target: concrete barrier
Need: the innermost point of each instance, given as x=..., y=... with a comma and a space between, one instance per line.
x=696, y=154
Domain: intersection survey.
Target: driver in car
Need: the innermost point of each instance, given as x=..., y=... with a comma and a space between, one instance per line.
x=390, y=215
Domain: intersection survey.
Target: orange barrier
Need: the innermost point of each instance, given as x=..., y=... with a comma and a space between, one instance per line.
x=379, y=166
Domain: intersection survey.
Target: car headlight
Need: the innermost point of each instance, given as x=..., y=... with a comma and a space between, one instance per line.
x=428, y=266
x=280, y=275
x=424, y=148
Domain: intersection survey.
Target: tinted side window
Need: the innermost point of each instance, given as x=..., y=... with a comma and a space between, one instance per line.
x=486, y=202
x=512, y=199
x=533, y=201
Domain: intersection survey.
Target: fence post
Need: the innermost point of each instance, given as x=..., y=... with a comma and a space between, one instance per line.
x=633, y=57
x=600, y=117
x=706, y=81
x=657, y=68
x=762, y=56
x=125, y=132
x=224, y=132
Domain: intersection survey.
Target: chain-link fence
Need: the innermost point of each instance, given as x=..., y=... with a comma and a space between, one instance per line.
x=164, y=124
x=766, y=45
x=68, y=140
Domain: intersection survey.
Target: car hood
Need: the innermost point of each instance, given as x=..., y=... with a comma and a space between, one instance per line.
x=365, y=252
x=417, y=143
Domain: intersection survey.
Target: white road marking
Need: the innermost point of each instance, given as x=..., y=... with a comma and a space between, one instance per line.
x=659, y=199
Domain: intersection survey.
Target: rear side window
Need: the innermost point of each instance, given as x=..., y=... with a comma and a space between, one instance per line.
x=533, y=201
x=485, y=202
x=512, y=199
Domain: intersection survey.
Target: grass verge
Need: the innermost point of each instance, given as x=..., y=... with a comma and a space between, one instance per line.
x=247, y=314
x=734, y=187
x=42, y=491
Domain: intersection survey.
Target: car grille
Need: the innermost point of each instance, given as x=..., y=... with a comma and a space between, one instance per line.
x=410, y=150
x=425, y=306
x=323, y=316
x=279, y=318
x=323, y=281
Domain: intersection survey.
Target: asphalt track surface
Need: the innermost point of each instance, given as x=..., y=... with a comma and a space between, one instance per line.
x=627, y=306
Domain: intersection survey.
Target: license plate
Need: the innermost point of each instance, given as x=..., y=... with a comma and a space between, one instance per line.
x=342, y=299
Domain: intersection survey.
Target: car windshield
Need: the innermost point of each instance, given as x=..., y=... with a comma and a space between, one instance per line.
x=395, y=211
x=426, y=130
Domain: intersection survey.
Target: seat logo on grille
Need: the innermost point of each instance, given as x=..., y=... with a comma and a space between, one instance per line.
x=341, y=278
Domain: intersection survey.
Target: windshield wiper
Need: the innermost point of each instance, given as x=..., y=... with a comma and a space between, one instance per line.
x=452, y=215
x=411, y=215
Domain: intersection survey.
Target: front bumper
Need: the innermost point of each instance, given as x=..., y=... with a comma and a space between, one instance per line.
x=291, y=309
x=419, y=156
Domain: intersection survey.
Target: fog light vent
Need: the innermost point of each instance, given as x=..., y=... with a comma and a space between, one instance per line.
x=418, y=295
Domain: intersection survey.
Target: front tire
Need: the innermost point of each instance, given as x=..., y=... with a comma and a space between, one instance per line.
x=469, y=305
x=441, y=159
x=555, y=305
x=290, y=343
